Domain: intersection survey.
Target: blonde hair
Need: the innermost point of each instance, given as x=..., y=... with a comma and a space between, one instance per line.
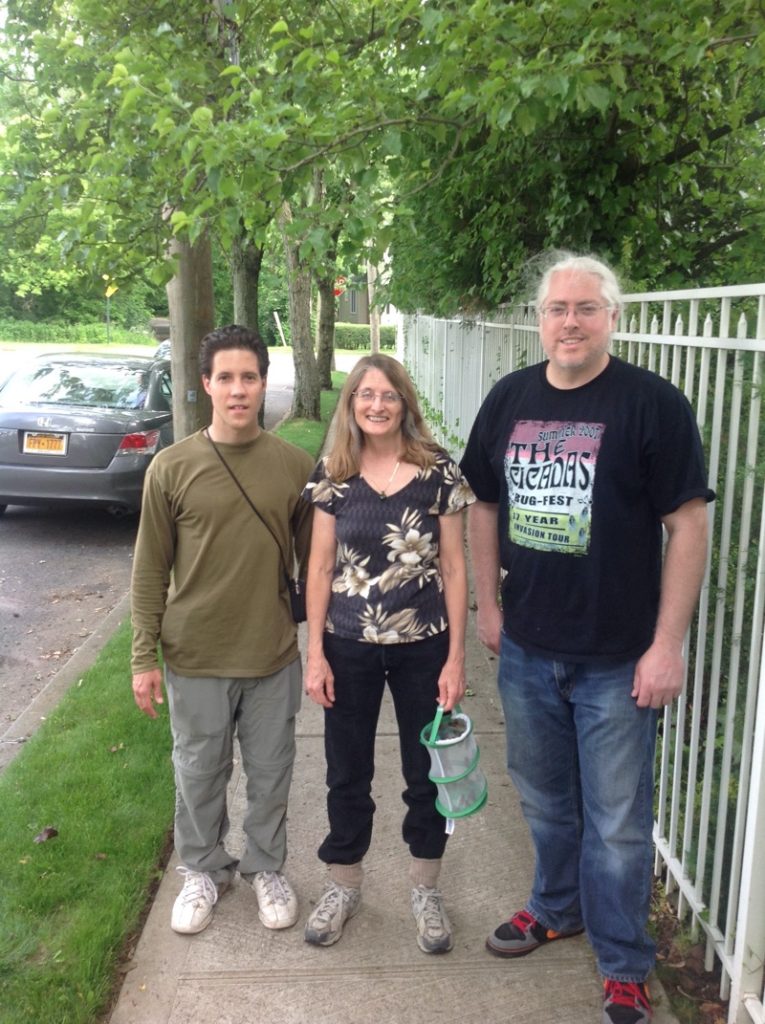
x=343, y=452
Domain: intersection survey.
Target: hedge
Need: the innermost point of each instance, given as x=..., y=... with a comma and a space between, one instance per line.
x=347, y=336
x=71, y=334
x=356, y=336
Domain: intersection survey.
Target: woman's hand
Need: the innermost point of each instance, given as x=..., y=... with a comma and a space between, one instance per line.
x=451, y=683
x=319, y=680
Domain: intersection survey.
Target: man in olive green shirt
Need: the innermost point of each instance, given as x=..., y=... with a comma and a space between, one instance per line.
x=209, y=586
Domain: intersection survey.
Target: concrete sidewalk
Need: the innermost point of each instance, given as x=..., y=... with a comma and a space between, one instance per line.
x=237, y=972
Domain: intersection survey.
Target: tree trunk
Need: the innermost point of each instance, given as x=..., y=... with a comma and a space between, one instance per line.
x=190, y=303
x=374, y=312
x=325, y=332
x=246, y=261
x=306, y=394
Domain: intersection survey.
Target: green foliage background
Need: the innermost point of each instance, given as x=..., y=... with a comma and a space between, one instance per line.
x=464, y=139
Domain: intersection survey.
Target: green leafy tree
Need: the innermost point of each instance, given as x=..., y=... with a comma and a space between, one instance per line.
x=185, y=120
x=503, y=128
x=633, y=130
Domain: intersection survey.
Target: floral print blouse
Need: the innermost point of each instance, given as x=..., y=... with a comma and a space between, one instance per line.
x=387, y=586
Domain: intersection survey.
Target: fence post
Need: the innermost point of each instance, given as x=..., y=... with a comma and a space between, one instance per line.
x=746, y=1000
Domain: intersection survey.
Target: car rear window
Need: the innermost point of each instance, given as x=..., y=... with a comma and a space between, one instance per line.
x=116, y=386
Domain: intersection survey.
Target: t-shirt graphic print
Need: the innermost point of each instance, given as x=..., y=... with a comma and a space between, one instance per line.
x=550, y=472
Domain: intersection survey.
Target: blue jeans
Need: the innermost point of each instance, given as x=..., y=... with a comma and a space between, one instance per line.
x=361, y=671
x=581, y=755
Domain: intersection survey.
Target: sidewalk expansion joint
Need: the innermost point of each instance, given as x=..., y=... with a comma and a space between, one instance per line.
x=328, y=975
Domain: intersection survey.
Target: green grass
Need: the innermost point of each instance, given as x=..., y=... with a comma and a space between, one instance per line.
x=99, y=772
x=309, y=434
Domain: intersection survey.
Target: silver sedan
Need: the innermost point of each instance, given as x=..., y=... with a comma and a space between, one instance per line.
x=82, y=429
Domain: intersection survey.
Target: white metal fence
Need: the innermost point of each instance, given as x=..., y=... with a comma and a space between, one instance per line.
x=709, y=830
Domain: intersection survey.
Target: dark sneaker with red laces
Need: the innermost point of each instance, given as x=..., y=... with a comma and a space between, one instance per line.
x=522, y=934
x=626, y=1002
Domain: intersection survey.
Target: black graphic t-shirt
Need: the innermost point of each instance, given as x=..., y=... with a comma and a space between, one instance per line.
x=387, y=586
x=582, y=478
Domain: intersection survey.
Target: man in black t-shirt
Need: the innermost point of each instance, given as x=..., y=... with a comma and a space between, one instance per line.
x=579, y=465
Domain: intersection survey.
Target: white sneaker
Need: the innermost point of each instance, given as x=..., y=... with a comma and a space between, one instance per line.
x=434, y=932
x=277, y=902
x=193, y=908
x=325, y=924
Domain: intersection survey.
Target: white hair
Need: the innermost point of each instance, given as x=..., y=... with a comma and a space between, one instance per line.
x=609, y=285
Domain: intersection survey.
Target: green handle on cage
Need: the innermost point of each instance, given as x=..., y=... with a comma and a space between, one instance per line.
x=437, y=721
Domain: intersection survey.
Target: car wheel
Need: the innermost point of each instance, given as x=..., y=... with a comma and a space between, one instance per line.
x=2, y=509
x=119, y=511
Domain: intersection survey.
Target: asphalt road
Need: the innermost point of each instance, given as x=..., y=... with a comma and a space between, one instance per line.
x=61, y=572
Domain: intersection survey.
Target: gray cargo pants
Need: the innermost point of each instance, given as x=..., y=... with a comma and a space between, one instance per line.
x=205, y=715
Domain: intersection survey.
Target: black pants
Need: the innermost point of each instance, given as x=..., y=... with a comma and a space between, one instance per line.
x=361, y=671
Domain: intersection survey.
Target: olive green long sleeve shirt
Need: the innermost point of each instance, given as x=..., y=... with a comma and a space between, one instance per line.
x=208, y=579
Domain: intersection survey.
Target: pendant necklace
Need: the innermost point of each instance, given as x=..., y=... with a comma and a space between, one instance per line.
x=383, y=493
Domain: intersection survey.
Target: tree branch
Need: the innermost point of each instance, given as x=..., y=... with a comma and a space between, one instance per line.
x=694, y=145
x=716, y=244
x=443, y=165
x=343, y=141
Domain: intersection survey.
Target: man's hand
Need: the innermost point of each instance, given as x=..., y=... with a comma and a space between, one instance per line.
x=484, y=550
x=659, y=675
x=147, y=690
x=489, y=623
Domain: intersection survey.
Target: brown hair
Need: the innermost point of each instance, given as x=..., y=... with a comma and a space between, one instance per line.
x=231, y=336
x=346, y=439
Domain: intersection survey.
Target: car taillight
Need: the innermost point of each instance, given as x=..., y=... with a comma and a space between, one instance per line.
x=144, y=443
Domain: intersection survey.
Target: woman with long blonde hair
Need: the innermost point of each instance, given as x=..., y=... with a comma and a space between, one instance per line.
x=387, y=603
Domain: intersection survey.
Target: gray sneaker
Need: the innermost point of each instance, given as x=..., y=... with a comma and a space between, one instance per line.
x=434, y=932
x=337, y=905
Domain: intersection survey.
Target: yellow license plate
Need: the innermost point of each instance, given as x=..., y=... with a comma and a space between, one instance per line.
x=45, y=444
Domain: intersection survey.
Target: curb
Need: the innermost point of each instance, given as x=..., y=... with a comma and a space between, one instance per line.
x=48, y=698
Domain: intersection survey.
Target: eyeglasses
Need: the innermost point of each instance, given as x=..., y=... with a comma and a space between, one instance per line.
x=582, y=310
x=386, y=397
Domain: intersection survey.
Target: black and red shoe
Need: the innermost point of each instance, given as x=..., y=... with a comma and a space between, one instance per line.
x=522, y=934
x=626, y=1002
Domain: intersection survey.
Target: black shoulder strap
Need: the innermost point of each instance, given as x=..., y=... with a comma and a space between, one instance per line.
x=249, y=501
